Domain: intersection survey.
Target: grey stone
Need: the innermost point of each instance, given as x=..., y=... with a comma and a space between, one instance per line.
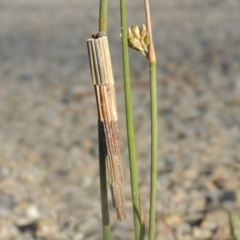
x=194, y=219
x=197, y=205
x=202, y=234
x=7, y=201
x=183, y=229
x=227, y=196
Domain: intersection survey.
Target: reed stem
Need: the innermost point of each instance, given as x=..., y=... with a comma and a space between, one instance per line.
x=103, y=187
x=129, y=123
x=103, y=15
x=154, y=136
x=102, y=159
x=154, y=124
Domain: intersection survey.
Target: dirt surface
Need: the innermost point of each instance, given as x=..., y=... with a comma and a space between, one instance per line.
x=49, y=182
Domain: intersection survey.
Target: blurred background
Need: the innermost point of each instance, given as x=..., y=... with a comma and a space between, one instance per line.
x=49, y=182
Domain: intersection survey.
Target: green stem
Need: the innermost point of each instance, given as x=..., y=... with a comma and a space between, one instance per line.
x=103, y=186
x=102, y=159
x=154, y=127
x=103, y=16
x=154, y=138
x=129, y=122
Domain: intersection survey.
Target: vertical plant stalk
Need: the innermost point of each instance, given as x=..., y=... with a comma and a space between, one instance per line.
x=154, y=136
x=129, y=123
x=154, y=127
x=103, y=186
x=102, y=159
x=103, y=81
x=103, y=16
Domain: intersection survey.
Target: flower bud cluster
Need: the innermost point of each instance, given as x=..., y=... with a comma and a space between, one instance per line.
x=138, y=39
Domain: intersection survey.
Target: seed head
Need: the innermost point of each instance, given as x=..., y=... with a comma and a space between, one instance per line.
x=138, y=39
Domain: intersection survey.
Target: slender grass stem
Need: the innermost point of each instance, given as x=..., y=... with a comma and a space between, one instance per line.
x=154, y=136
x=103, y=187
x=103, y=15
x=129, y=122
x=102, y=159
x=154, y=127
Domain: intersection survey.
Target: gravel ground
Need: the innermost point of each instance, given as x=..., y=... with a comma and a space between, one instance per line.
x=49, y=182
